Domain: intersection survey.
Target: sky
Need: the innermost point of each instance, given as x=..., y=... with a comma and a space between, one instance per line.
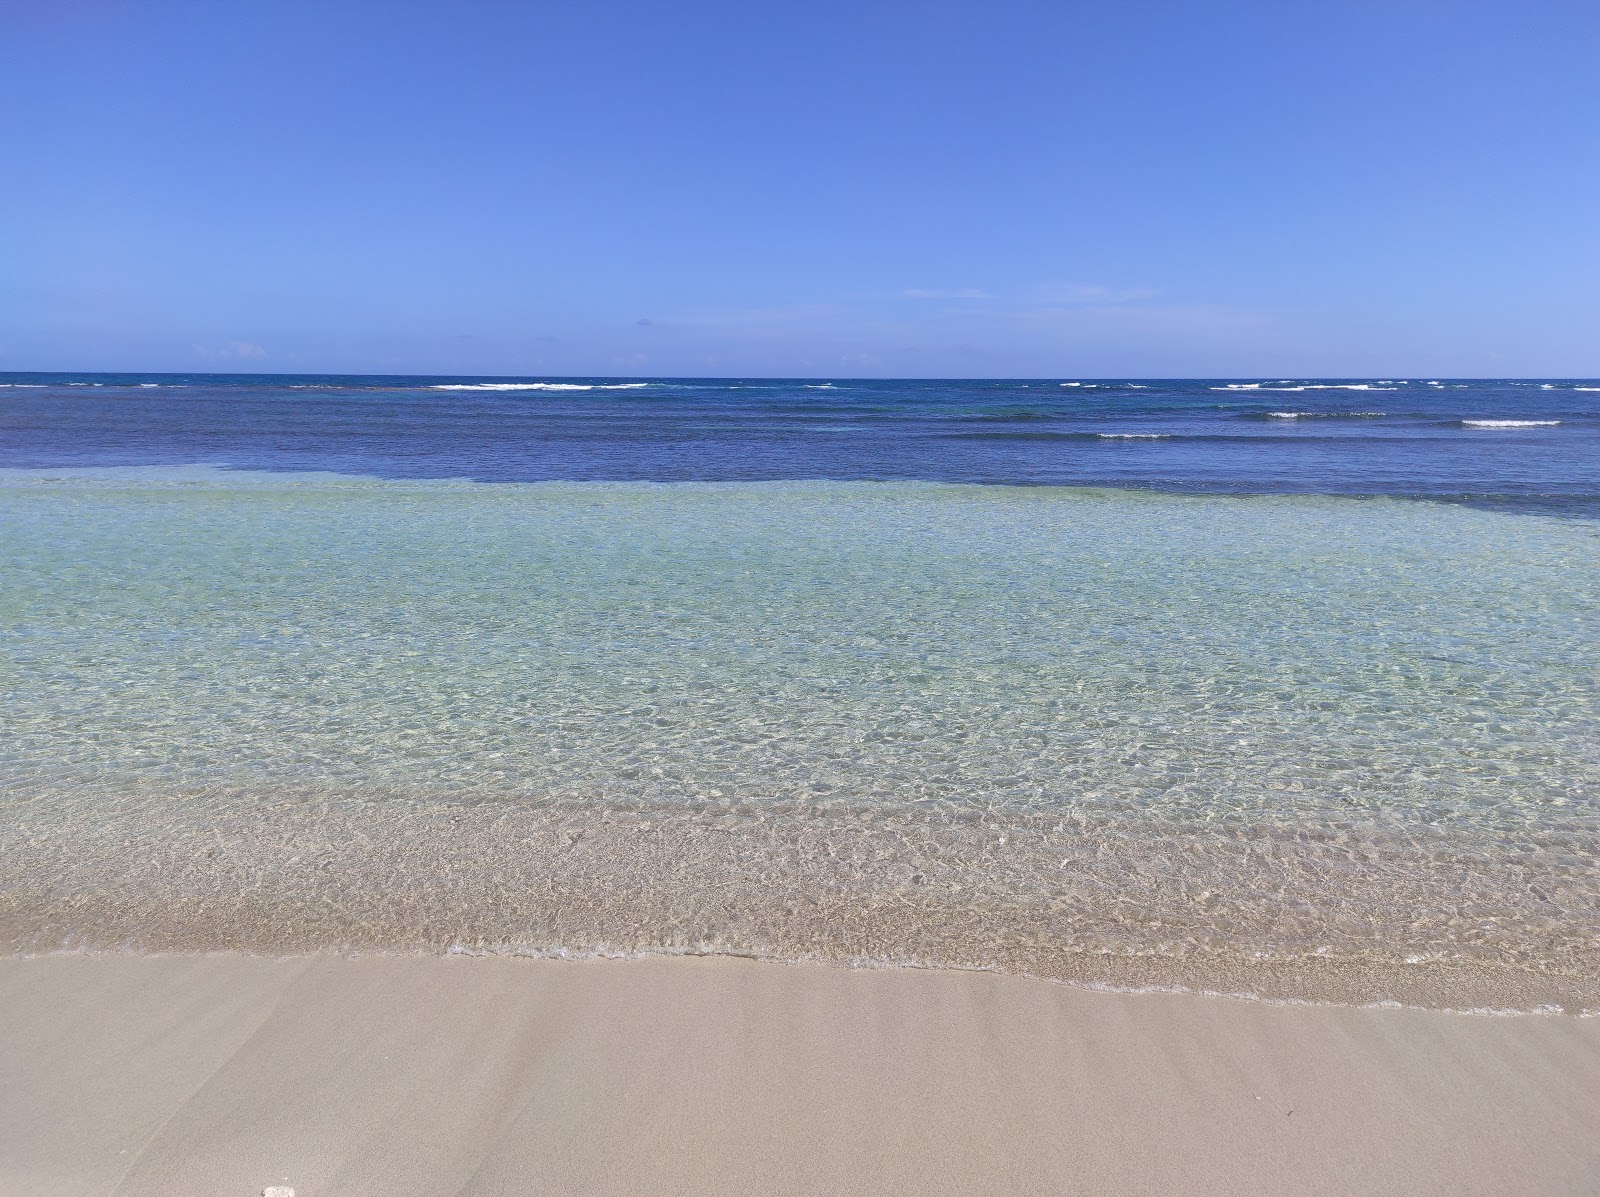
x=864, y=189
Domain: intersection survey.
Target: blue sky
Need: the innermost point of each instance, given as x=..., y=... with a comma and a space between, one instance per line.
x=875, y=189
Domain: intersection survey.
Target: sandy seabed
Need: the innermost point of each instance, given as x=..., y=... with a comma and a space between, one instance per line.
x=1329, y=919
x=228, y=1074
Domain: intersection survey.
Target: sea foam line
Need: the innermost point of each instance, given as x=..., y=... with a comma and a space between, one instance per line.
x=1509, y=423
x=606, y=951
x=1306, y=386
x=537, y=386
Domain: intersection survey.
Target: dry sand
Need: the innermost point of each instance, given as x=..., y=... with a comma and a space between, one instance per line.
x=224, y=1075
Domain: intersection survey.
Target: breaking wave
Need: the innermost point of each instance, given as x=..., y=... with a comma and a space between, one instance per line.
x=537, y=386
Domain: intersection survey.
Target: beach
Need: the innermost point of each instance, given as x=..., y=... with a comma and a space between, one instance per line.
x=837, y=599
x=160, y=1075
x=406, y=812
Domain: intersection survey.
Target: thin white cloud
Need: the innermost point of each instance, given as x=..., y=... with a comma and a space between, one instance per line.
x=1175, y=322
x=758, y=320
x=1048, y=294
x=1060, y=293
x=232, y=351
x=968, y=293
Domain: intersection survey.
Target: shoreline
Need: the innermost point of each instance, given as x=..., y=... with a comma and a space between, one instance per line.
x=179, y=876
x=141, y=1075
x=605, y=954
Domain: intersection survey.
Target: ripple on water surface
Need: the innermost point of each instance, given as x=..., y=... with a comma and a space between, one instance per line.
x=1233, y=742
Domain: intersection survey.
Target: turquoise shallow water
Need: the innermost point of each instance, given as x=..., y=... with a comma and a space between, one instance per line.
x=1314, y=727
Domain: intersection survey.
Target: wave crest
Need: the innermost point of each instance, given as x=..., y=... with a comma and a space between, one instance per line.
x=537, y=386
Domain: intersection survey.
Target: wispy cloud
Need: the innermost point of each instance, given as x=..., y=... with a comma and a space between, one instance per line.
x=1040, y=294
x=1044, y=328
x=968, y=293
x=1169, y=322
x=232, y=351
x=756, y=320
x=1057, y=293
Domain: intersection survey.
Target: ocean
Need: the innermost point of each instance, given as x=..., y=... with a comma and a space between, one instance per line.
x=1275, y=687
x=1506, y=442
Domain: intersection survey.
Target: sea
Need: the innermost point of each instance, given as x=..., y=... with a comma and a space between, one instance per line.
x=1286, y=688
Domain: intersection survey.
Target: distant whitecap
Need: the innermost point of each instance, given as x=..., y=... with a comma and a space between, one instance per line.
x=1332, y=386
x=537, y=386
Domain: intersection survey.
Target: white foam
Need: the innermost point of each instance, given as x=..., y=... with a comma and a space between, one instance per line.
x=1134, y=436
x=819, y=386
x=1333, y=386
x=149, y=384
x=537, y=386
x=35, y=385
x=1509, y=423
x=1236, y=386
x=1302, y=415
x=1586, y=388
x=607, y=951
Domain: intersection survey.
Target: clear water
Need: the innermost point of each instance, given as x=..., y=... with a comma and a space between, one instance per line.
x=1287, y=743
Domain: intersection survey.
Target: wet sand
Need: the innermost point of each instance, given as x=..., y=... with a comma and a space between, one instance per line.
x=226, y=1074
x=1159, y=906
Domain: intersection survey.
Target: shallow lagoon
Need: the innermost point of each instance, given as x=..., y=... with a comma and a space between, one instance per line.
x=1176, y=728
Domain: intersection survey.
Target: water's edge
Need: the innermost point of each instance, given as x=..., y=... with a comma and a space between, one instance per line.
x=293, y=878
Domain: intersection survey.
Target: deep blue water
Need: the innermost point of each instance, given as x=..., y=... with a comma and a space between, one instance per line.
x=1338, y=436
